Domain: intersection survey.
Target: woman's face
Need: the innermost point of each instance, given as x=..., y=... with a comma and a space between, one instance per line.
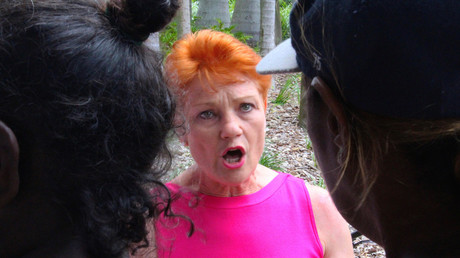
x=226, y=130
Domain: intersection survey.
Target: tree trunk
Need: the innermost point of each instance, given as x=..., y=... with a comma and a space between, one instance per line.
x=183, y=19
x=267, y=25
x=211, y=10
x=278, y=30
x=246, y=19
x=153, y=42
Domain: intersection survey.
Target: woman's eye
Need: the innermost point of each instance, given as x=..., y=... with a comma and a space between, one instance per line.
x=246, y=107
x=206, y=115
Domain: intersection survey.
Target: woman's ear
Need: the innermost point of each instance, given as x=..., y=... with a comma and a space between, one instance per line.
x=9, y=163
x=332, y=102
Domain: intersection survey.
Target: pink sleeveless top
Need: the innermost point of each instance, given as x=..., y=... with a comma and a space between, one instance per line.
x=276, y=221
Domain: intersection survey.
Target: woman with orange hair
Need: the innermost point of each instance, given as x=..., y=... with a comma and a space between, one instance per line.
x=238, y=207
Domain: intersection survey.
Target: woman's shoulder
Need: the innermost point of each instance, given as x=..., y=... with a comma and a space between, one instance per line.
x=320, y=195
x=265, y=175
x=331, y=226
x=322, y=204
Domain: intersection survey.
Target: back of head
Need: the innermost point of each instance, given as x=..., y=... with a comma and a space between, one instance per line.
x=89, y=108
x=396, y=59
x=395, y=66
x=214, y=56
x=386, y=80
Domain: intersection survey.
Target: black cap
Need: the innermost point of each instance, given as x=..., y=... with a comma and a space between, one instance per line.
x=393, y=58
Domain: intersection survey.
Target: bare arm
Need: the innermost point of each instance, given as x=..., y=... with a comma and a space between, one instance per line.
x=332, y=229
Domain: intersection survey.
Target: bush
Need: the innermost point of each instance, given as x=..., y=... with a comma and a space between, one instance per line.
x=285, y=10
x=271, y=160
x=292, y=85
x=167, y=37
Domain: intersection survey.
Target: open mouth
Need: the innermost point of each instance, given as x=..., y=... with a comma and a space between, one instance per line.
x=233, y=155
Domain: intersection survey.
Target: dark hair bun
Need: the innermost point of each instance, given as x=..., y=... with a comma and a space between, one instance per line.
x=137, y=19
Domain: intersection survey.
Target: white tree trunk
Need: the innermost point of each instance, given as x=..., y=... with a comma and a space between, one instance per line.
x=267, y=25
x=246, y=19
x=183, y=19
x=210, y=11
x=153, y=42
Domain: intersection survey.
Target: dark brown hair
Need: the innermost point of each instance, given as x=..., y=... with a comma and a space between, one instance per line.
x=78, y=85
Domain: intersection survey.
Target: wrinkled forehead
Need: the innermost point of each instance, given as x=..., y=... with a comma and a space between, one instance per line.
x=213, y=83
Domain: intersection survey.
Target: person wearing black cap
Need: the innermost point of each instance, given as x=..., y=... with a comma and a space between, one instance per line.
x=84, y=113
x=383, y=114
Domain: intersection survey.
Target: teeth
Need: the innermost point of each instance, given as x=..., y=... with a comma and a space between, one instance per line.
x=232, y=160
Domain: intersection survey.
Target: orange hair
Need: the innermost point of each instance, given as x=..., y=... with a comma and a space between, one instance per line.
x=217, y=57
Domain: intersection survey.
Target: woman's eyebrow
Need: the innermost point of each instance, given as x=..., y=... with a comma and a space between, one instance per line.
x=204, y=103
x=249, y=96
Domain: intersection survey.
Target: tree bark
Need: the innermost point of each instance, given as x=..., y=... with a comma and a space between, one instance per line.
x=183, y=19
x=211, y=10
x=278, y=29
x=153, y=42
x=246, y=19
x=267, y=25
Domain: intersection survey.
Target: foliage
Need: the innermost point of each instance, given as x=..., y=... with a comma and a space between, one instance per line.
x=195, y=5
x=313, y=157
x=285, y=10
x=309, y=144
x=290, y=86
x=271, y=160
x=167, y=37
x=229, y=30
x=231, y=6
x=320, y=183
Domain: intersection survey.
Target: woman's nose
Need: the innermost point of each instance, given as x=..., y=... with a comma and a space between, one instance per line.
x=231, y=127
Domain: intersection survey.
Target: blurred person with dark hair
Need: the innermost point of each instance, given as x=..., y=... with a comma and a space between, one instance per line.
x=84, y=112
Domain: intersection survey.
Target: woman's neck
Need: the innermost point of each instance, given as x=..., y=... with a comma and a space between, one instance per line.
x=195, y=179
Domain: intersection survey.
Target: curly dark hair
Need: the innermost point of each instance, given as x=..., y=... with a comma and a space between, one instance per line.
x=78, y=86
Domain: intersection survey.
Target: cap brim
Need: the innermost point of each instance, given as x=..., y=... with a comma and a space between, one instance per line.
x=281, y=59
